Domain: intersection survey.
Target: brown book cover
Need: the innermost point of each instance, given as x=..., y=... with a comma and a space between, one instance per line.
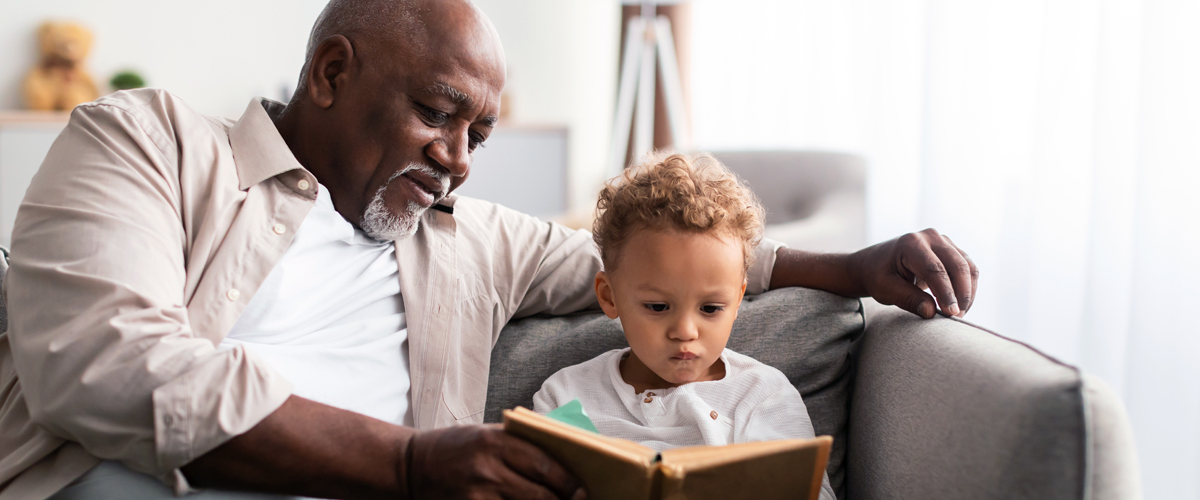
x=616, y=469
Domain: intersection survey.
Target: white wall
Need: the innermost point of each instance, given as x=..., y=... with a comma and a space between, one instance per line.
x=562, y=60
x=218, y=54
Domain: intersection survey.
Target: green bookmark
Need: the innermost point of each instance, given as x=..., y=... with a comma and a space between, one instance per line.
x=572, y=413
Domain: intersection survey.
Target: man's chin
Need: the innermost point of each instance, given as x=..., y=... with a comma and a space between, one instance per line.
x=384, y=224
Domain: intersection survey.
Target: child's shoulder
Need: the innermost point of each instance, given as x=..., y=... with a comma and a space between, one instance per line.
x=576, y=381
x=747, y=369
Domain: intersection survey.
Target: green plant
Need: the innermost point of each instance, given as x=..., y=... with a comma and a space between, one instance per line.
x=126, y=80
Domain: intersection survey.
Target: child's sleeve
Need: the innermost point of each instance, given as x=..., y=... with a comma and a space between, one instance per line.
x=546, y=399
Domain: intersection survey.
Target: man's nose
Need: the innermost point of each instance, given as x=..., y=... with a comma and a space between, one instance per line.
x=684, y=329
x=452, y=151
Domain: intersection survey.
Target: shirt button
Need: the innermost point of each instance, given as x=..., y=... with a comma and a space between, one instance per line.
x=303, y=185
x=279, y=228
x=233, y=294
x=713, y=415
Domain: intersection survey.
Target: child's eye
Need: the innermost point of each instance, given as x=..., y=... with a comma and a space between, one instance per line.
x=656, y=307
x=712, y=309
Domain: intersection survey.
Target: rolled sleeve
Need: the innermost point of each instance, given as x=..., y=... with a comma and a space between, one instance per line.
x=758, y=276
x=102, y=343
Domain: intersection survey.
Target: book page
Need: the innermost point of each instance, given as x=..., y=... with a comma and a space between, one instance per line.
x=610, y=468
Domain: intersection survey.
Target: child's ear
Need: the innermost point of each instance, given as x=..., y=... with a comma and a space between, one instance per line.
x=739, y=301
x=604, y=293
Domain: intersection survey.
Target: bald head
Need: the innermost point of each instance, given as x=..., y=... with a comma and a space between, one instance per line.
x=403, y=29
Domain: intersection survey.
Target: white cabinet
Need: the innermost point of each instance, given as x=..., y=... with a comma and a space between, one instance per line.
x=522, y=167
x=25, y=137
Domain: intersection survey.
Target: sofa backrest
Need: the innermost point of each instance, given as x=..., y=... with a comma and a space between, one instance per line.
x=943, y=409
x=806, y=334
x=3, y=290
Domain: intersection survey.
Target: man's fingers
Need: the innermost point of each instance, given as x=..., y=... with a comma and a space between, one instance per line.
x=514, y=485
x=895, y=291
x=535, y=465
x=925, y=264
x=973, y=270
x=958, y=270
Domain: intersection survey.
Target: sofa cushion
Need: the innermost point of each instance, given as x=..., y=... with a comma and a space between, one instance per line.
x=804, y=333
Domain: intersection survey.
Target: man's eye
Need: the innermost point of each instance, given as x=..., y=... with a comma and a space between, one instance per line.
x=475, y=141
x=712, y=309
x=434, y=116
x=656, y=307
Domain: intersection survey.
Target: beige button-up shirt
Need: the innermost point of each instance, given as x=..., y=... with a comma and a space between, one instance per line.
x=146, y=232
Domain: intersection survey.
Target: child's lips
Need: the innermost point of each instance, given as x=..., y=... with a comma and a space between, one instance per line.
x=686, y=356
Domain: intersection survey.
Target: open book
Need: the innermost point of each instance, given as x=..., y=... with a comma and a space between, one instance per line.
x=616, y=469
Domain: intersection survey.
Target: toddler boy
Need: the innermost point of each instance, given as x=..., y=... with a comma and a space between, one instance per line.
x=676, y=235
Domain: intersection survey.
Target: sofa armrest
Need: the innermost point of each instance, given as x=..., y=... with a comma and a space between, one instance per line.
x=945, y=409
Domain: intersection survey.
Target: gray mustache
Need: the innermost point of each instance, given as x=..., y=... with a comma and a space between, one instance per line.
x=442, y=178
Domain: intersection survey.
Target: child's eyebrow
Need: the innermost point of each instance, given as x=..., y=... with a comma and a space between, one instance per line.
x=649, y=287
x=714, y=294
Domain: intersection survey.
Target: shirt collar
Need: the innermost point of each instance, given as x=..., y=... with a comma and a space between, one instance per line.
x=258, y=150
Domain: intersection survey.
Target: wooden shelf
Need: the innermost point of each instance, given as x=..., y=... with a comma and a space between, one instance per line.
x=18, y=117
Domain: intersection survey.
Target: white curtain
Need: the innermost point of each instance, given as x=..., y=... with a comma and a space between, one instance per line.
x=1056, y=141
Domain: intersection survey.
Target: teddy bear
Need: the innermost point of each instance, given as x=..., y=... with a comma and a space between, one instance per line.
x=58, y=81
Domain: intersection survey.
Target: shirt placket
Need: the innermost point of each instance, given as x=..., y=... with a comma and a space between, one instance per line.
x=653, y=404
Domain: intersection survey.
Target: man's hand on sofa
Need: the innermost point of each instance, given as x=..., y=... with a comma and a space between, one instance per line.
x=895, y=272
x=484, y=462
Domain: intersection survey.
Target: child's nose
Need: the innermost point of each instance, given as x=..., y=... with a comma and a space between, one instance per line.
x=684, y=329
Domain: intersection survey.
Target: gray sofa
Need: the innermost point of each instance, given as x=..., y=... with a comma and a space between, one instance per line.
x=937, y=409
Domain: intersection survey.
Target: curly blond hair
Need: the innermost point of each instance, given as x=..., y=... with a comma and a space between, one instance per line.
x=688, y=193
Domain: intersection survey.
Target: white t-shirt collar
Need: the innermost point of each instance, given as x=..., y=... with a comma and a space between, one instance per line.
x=334, y=227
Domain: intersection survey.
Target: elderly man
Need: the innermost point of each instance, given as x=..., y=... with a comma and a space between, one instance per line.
x=294, y=302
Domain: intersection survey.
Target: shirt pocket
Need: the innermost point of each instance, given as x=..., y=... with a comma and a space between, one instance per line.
x=465, y=393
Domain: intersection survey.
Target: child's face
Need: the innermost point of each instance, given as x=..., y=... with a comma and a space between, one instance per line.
x=677, y=295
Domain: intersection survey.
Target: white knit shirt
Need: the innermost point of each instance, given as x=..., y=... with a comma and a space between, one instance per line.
x=753, y=402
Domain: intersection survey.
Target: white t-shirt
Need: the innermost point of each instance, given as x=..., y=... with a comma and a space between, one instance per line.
x=753, y=402
x=330, y=318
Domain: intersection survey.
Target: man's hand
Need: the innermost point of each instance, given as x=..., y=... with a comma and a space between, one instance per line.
x=895, y=272
x=484, y=462
x=898, y=271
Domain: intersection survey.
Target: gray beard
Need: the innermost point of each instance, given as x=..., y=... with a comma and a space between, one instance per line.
x=381, y=224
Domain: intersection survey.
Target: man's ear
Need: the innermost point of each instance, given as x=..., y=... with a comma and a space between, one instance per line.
x=328, y=69
x=604, y=293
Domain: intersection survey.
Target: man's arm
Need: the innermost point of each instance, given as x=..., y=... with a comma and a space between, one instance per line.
x=539, y=267
x=99, y=327
x=310, y=449
x=894, y=272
